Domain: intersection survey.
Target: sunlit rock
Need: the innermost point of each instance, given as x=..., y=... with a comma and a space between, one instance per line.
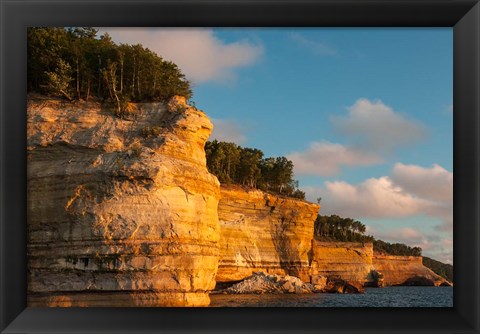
x=121, y=210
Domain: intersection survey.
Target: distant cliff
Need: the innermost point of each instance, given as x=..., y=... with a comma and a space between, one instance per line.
x=358, y=262
x=271, y=234
x=121, y=211
x=406, y=270
x=263, y=232
x=351, y=261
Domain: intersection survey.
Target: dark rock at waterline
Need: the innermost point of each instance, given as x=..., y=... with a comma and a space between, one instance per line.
x=353, y=287
x=418, y=281
x=338, y=285
x=375, y=279
x=335, y=286
x=445, y=284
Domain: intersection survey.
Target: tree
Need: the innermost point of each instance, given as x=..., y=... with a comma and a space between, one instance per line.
x=58, y=81
x=84, y=32
x=248, y=170
x=95, y=64
x=110, y=76
x=234, y=164
x=44, y=47
x=283, y=173
x=335, y=227
x=266, y=169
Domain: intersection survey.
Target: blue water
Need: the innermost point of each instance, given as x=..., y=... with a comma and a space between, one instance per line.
x=395, y=296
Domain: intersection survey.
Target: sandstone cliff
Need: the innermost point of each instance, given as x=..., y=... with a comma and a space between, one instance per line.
x=348, y=260
x=356, y=262
x=263, y=232
x=405, y=270
x=121, y=211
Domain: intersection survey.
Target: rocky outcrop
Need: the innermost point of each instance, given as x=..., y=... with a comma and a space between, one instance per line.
x=263, y=232
x=121, y=211
x=338, y=285
x=406, y=270
x=348, y=260
x=260, y=283
x=318, y=282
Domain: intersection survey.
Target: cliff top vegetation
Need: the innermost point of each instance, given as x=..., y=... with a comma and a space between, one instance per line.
x=75, y=63
x=233, y=164
x=336, y=228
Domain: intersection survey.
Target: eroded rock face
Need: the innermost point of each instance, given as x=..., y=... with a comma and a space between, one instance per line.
x=356, y=262
x=263, y=232
x=121, y=212
x=406, y=270
x=348, y=260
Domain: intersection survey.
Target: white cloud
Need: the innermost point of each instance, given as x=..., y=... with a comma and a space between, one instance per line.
x=198, y=52
x=317, y=48
x=373, y=129
x=377, y=127
x=228, y=130
x=325, y=158
x=411, y=190
x=373, y=198
x=432, y=245
x=406, y=235
x=435, y=183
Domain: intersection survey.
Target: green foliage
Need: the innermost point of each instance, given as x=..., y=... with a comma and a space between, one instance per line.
x=246, y=166
x=335, y=228
x=396, y=248
x=442, y=269
x=77, y=62
x=58, y=82
x=44, y=47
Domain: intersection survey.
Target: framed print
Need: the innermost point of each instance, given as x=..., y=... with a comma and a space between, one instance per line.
x=129, y=205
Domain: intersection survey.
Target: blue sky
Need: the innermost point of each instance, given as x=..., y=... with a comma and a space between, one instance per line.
x=365, y=114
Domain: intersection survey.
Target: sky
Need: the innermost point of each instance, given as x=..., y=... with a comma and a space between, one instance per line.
x=366, y=115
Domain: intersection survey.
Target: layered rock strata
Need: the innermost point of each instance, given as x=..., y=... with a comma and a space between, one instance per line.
x=263, y=232
x=356, y=262
x=405, y=270
x=121, y=210
x=348, y=260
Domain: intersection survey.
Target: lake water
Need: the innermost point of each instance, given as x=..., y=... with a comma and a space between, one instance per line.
x=395, y=296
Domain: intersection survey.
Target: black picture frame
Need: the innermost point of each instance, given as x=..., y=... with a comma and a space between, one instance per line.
x=462, y=15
